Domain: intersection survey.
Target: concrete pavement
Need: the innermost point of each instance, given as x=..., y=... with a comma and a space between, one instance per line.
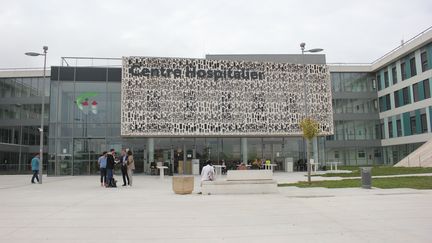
x=77, y=209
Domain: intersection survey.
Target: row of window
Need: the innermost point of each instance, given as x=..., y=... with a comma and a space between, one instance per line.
x=421, y=91
x=354, y=106
x=24, y=87
x=24, y=135
x=408, y=69
x=352, y=82
x=355, y=130
x=10, y=162
x=414, y=123
x=356, y=156
x=22, y=112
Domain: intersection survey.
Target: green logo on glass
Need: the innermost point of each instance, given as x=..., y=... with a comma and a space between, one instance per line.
x=82, y=102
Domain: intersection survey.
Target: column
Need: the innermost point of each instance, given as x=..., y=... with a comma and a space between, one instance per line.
x=194, y=152
x=244, y=151
x=150, y=149
x=315, y=150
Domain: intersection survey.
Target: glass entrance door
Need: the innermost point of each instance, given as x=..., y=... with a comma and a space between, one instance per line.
x=183, y=153
x=86, y=153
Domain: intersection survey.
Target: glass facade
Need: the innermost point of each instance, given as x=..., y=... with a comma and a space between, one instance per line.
x=85, y=121
x=352, y=82
x=395, y=153
x=356, y=137
x=20, y=117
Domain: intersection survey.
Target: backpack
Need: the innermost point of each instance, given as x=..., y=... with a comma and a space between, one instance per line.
x=112, y=183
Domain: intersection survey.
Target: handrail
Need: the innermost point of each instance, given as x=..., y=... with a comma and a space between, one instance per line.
x=29, y=69
x=65, y=61
x=402, y=44
x=349, y=64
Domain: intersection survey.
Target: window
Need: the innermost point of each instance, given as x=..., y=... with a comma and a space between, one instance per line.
x=403, y=71
x=424, y=61
x=382, y=130
x=377, y=153
x=405, y=95
x=386, y=79
x=399, y=128
x=387, y=97
x=336, y=154
x=423, y=123
x=413, y=125
x=396, y=98
x=413, y=67
x=361, y=154
x=426, y=89
x=415, y=92
x=384, y=103
x=390, y=129
x=377, y=131
x=381, y=104
x=379, y=81
x=394, y=75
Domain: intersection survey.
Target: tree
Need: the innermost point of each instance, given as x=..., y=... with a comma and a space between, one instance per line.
x=310, y=129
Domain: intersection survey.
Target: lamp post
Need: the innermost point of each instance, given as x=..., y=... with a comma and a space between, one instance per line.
x=41, y=130
x=314, y=50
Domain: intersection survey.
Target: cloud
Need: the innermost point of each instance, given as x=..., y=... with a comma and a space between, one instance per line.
x=349, y=31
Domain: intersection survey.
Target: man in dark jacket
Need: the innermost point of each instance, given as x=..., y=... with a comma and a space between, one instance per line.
x=110, y=167
x=123, y=162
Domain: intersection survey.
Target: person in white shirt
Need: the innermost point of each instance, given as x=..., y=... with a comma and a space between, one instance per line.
x=208, y=172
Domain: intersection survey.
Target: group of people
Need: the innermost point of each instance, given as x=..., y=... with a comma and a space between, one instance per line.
x=107, y=162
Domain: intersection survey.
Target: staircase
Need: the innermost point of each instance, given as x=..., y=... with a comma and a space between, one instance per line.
x=421, y=157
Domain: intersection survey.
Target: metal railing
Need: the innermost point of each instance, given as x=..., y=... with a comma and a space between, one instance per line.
x=402, y=44
x=386, y=54
x=23, y=69
x=91, y=61
x=117, y=61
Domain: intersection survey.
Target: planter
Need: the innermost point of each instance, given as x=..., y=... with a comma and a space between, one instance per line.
x=183, y=184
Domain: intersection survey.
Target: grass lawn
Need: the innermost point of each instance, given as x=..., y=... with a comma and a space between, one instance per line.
x=415, y=182
x=380, y=170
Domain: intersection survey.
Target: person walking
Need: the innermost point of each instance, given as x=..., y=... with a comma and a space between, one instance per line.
x=102, y=166
x=123, y=163
x=35, y=168
x=130, y=167
x=110, y=168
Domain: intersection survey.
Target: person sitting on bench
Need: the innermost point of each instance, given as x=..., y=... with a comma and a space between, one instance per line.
x=208, y=172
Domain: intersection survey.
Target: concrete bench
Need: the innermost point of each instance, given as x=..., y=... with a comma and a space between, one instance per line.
x=242, y=182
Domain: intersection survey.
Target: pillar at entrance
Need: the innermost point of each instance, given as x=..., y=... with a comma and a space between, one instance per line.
x=244, y=151
x=150, y=149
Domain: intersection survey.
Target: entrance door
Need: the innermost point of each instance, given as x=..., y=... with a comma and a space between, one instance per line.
x=184, y=152
x=86, y=153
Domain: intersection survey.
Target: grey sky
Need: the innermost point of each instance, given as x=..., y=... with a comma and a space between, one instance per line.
x=349, y=31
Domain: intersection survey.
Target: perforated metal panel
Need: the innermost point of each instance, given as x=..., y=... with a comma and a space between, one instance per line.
x=199, y=97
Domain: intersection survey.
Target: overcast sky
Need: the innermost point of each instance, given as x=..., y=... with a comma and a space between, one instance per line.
x=349, y=31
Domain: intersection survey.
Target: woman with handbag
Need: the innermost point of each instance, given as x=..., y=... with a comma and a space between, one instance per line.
x=130, y=166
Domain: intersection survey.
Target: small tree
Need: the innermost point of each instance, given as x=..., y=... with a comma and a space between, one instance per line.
x=310, y=129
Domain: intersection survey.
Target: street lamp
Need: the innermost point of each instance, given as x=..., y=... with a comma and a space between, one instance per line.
x=35, y=54
x=314, y=50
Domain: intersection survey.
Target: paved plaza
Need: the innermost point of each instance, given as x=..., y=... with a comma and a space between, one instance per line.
x=77, y=209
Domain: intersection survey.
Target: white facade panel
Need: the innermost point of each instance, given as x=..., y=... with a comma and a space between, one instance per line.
x=199, y=97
